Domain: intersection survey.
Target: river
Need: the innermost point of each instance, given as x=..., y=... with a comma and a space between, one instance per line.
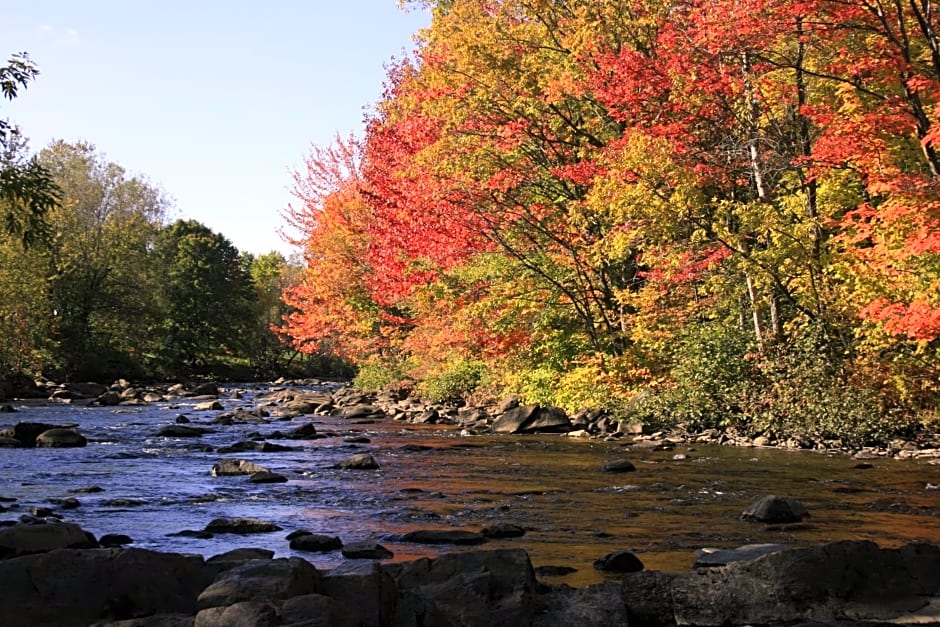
x=433, y=477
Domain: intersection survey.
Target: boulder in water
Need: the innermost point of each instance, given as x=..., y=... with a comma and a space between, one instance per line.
x=228, y=467
x=60, y=438
x=316, y=542
x=775, y=510
x=359, y=461
x=619, y=562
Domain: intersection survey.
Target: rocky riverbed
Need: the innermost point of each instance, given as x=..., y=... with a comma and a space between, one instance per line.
x=314, y=471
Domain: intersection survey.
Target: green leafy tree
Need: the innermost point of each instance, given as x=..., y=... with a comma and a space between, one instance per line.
x=27, y=191
x=98, y=260
x=271, y=274
x=207, y=297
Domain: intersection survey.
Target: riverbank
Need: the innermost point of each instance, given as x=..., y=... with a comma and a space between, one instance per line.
x=507, y=416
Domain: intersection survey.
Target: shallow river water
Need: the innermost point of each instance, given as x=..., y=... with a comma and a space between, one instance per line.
x=550, y=485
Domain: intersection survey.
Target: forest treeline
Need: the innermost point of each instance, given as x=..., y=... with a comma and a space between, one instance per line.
x=705, y=213
x=97, y=282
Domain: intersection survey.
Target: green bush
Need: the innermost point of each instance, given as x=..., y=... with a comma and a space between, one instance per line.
x=798, y=388
x=378, y=373
x=454, y=381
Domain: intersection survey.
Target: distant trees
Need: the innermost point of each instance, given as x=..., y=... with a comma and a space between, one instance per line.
x=113, y=290
x=205, y=297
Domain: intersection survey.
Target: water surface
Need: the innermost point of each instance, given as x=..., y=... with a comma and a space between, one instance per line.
x=550, y=485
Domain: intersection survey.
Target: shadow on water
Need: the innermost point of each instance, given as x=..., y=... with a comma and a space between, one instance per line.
x=431, y=477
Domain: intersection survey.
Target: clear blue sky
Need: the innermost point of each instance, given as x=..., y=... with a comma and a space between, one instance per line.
x=214, y=102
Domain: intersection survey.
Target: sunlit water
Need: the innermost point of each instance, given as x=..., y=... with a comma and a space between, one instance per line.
x=550, y=485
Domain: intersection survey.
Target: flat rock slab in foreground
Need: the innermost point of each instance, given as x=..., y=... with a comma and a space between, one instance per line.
x=839, y=583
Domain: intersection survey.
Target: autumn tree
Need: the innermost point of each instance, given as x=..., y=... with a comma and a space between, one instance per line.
x=732, y=203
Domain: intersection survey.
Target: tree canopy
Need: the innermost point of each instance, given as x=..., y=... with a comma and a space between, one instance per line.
x=581, y=199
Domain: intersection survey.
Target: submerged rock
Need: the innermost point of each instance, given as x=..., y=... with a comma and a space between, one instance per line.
x=359, y=461
x=182, y=430
x=366, y=550
x=707, y=558
x=240, y=526
x=266, y=476
x=503, y=530
x=618, y=465
x=443, y=536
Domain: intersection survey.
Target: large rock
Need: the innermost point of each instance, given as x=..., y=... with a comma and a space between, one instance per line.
x=532, y=419
x=476, y=588
x=266, y=580
x=244, y=613
x=366, y=590
x=844, y=580
x=79, y=587
x=775, y=510
x=240, y=526
x=27, y=432
x=60, y=438
x=23, y=539
x=228, y=467
x=203, y=389
x=601, y=604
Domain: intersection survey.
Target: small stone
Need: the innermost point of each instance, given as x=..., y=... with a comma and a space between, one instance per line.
x=316, y=542
x=619, y=465
x=554, y=571
x=366, y=550
x=359, y=461
x=503, y=530
x=191, y=533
